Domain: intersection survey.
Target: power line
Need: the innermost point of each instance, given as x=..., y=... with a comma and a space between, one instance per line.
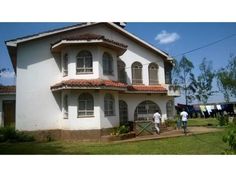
x=207, y=45
x=193, y=50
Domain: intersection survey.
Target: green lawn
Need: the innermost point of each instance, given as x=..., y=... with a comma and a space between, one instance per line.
x=202, y=122
x=210, y=143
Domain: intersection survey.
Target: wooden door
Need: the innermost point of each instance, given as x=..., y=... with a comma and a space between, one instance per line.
x=9, y=112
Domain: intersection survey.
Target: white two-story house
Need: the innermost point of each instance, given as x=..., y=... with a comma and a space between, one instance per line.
x=88, y=78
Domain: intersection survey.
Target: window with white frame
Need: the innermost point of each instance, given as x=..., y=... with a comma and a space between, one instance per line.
x=65, y=65
x=65, y=107
x=85, y=105
x=107, y=62
x=123, y=112
x=137, y=73
x=170, y=108
x=109, y=105
x=153, y=73
x=121, y=71
x=84, y=62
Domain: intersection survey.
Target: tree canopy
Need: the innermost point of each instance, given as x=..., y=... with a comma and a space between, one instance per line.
x=226, y=79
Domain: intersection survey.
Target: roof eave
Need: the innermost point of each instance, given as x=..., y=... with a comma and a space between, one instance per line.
x=56, y=47
x=87, y=88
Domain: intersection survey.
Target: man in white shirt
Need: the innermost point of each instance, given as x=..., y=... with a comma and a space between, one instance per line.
x=157, y=120
x=184, y=117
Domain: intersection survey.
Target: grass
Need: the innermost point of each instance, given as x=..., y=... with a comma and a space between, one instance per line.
x=210, y=143
x=203, y=122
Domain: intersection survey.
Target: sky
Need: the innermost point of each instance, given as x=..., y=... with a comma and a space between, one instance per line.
x=173, y=38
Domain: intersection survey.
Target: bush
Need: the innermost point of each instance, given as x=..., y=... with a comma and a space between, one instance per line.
x=9, y=133
x=230, y=138
x=121, y=130
x=223, y=120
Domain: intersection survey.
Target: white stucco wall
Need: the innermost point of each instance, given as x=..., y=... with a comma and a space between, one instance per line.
x=109, y=121
x=82, y=123
x=135, y=52
x=98, y=120
x=133, y=100
x=38, y=108
x=4, y=97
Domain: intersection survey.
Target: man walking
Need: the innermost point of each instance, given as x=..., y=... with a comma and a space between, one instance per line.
x=157, y=120
x=184, y=116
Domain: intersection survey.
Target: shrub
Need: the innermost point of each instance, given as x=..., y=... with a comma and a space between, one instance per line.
x=230, y=138
x=121, y=130
x=223, y=120
x=9, y=133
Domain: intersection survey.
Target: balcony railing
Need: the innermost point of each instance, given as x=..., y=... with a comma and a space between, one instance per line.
x=173, y=90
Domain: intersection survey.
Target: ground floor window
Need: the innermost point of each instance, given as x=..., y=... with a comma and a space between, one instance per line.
x=169, y=109
x=145, y=110
x=123, y=112
x=85, y=105
x=109, y=105
x=65, y=107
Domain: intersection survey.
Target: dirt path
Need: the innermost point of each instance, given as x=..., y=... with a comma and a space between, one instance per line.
x=174, y=133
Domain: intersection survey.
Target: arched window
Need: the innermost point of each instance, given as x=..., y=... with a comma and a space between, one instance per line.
x=169, y=109
x=107, y=62
x=137, y=73
x=85, y=105
x=84, y=62
x=65, y=107
x=123, y=112
x=153, y=73
x=65, y=64
x=121, y=71
x=109, y=105
x=145, y=110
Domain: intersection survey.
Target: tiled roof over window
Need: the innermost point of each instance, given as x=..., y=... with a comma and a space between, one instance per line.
x=156, y=88
x=7, y=89
x=88, y=37
x=88, y=83
x=76, y=83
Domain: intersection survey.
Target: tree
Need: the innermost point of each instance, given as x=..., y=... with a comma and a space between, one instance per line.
x=183, y=76
x=226, y=79
x=203, y=83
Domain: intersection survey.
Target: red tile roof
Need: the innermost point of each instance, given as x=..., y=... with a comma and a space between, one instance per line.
x=152, y=88
x=7, y=89
x=88, y=83
x=88, y=37
x=107, y=83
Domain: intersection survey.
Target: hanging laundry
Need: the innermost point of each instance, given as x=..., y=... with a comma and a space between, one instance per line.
x=218, y=107
x=208, y=107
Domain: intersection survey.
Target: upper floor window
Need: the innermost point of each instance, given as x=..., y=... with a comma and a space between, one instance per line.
x=137, y=73
x=107, y=62
x=85, y=105
x=168, y=76
x=109, y=105
x=153, y=73
x=168, y=68
x=65, y=64
x=65, y=107
x=84, y=62
x=121, y=71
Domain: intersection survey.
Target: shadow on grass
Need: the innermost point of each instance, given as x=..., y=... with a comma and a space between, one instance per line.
x=28, y=148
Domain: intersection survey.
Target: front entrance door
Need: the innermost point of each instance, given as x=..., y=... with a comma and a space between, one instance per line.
x=9, y=112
